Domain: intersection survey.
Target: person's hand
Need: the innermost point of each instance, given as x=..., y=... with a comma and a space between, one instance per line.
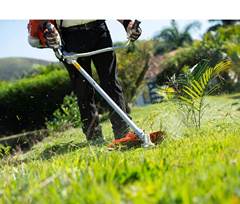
x=133, y=33
x=53, y=38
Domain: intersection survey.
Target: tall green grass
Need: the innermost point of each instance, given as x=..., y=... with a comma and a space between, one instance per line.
x=198, y=166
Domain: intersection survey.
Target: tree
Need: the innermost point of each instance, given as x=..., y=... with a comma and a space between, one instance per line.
x=221, y=23
x=133, y=66
x=171, y=38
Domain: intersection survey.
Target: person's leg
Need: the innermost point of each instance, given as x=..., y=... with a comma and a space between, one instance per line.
x=107, y=71
x=81, y=41
x=86, y=103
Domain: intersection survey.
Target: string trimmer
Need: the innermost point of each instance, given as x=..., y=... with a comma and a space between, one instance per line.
x=71, y=58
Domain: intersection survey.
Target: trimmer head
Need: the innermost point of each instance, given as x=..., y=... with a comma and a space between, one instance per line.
x=132, y=140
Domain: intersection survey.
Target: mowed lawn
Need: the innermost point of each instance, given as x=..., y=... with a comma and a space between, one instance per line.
x=189, y=166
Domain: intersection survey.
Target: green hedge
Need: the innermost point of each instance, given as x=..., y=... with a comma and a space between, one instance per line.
x=25, y=104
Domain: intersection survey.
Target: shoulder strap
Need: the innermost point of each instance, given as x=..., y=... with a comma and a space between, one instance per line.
x=60, y=26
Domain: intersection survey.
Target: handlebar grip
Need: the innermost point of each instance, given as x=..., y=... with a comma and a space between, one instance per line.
x=136, y=24
x=49, y=27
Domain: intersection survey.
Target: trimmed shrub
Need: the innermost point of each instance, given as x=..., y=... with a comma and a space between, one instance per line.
x=25, y=104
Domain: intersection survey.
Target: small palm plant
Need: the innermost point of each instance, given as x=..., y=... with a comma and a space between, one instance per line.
x=192, y=87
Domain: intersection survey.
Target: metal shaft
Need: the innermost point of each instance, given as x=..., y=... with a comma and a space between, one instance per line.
x=145, y=138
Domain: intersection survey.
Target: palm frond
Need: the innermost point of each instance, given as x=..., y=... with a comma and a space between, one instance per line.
x=195, y=24
x=196, y=87
x=186, y=100
x=222, y=66
x=201, y=76
x=190, y=92
x=168, y=34
x=213, y=89
x=199, y=69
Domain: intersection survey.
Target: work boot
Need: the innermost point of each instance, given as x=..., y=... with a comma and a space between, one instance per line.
x=97, y=141
x=94, y=134
x=132, y=140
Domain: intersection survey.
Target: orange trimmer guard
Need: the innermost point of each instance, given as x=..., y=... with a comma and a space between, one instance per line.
x=132, y=140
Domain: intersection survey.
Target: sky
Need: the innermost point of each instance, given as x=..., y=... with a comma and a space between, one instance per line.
x=13, y=36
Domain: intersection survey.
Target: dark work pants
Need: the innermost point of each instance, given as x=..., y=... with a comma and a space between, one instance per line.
x=84, y=40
